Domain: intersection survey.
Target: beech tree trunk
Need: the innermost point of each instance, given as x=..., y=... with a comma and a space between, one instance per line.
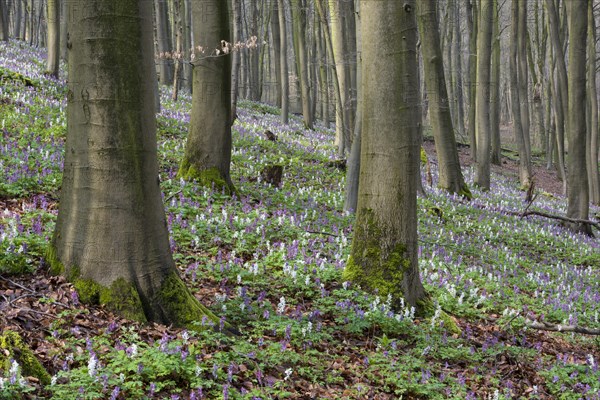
x=207, y=155
x=276, y=32
x=472, y=25
x=496, y=154
x=163, y=39
x=4, y=21
x=111, y=237
x=299, y=27
x=285, y=81
x=577, y=181
x=592, y=134
x=384, y=247
x=482, y=100
x=450, y=175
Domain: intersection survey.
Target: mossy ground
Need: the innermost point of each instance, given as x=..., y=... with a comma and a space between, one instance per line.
x=13, y=348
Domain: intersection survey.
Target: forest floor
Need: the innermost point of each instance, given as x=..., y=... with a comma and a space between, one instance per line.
x=270, y=263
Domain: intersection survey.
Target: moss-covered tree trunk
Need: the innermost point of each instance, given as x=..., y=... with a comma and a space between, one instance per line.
x=207, y=155
x=384, y=247
x=450, y=175
x=111, y=237
x=482, y=98
x=578, y=190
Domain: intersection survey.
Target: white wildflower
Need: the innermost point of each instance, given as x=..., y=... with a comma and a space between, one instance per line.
x=281, y=305
x=92, y=363
x=288, y=373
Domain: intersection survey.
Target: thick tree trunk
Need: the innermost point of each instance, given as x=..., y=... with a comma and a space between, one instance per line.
x=450, y=175
x=384, y=247
x=578, y=190
x=111, y=238
x=207, y=155
x=482, y=101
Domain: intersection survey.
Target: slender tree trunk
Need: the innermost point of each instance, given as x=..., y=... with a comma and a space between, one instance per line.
x=52, y=62
x=207, y=155
x=450, y=175
x=186, y=16
x=495, y=91
x=524, y=158
x=592, y=134
x=276, y=33
x=518, y=103
x=472, y=17
x=63, y=29
x=299, y=26
x=111, y=235
x=561, y=84
x=482, y=101
x=178, y=28
x=4, y=21
x=285, y=81
x=457, y=72
x=353, y=171
x=236, y=62
x=578, y=189
x=323, y=81
x=384, y=249
x=164, y=43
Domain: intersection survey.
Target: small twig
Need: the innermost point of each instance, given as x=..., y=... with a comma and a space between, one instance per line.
x=546, y=326
x=17, y=284
x=167, y=199
x=511, y=320
x=322, y=233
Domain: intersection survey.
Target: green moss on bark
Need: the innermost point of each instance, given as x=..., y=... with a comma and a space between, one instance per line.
x=465, y=192
x=206, y=177
x=182, y=307
x=371, y=267
x=13, y=348
x=56, y=267
x=121, y=297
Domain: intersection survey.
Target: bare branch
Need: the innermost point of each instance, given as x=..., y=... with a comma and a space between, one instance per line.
x=546, y=326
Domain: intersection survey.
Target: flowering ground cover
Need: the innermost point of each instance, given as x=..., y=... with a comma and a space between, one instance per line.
x=269, y=261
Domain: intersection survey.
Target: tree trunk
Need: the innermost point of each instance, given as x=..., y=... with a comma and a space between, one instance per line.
x=186, y=17
x=525, y=155
x=561, y=85
x=472, y=17
x=482, y=100
x=276, y=33
x=496, y=153
x=207, y=155
x=111, y=235
x=52, y=61
x=63, y=29
x=353, y=171
x=299, y=27
x=178, y=54
x=519, y=124
x=450, y=175
x=285, y=81
x=163, y=39
x=4, y=21
x=578, y=190
x=592, y=134
x=384, y=247
x=235, y=62
x=457, y=71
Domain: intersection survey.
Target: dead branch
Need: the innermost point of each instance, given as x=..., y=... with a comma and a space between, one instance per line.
x=546, y=326
x=560, y=218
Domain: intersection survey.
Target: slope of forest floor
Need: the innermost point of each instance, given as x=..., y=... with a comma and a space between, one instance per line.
x=270, y=263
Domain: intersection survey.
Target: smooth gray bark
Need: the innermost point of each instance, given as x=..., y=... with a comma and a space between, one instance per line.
x=52, y=61
x=3, y=21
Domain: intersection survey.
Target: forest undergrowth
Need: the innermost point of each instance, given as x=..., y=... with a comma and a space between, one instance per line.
x=269, y=261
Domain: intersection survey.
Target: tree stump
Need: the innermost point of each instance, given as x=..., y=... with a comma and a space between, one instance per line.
x=272, y=174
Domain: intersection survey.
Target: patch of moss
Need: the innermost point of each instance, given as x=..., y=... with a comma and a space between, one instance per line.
x=424, y=158
x=427, y=309
x=182, y=307
x=465, y=192
x=12, y=343
x=206, y=177
x=56, y=267
x=369, y=267
x=121, y=297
